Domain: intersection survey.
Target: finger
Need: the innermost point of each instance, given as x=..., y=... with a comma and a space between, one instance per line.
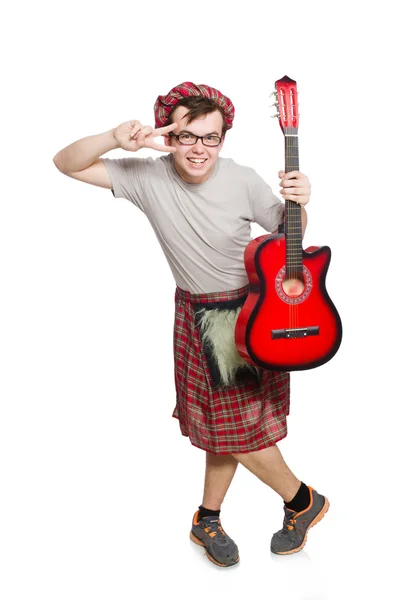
x=302, y=182
x=294, y=174
x=135, y=124
x=147, y=130
x=142, y=133
x=281, y=174
x=296, y=192
x=292, y=191
x=140, y=138
x=295, y=183
x=135, y=130
x=164, y=130
x=294, y=198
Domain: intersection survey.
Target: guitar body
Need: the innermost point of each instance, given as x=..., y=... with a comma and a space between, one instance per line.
x=288, y=322
x=281, y=328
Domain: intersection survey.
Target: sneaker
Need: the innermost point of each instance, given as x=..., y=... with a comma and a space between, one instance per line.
x=292, y=537
x=220, y=548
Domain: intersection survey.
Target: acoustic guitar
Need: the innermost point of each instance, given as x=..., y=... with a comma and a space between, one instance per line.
x=288, y=321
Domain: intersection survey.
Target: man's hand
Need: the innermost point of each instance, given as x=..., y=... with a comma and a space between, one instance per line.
x=133, y=136
x=295, y=186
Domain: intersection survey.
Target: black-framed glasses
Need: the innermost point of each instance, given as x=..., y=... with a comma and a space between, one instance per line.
x=188, y=139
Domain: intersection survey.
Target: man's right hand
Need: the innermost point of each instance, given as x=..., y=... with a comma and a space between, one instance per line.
x=132, y=136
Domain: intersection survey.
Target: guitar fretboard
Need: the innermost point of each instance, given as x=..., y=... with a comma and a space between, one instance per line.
x=293, y=218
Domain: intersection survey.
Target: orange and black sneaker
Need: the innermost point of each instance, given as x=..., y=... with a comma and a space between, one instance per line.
x=292, y=537
x=209, y=533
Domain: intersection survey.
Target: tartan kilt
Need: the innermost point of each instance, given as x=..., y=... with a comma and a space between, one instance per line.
x=246, y=416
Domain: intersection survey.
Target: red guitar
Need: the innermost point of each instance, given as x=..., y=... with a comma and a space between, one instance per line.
x=288, y=322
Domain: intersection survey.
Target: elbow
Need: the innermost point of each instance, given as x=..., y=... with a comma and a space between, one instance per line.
x=57, y=163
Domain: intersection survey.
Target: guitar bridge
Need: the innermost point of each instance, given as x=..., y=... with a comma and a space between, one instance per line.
x=298, y=332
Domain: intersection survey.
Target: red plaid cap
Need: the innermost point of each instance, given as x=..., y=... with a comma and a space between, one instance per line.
x=164, y=104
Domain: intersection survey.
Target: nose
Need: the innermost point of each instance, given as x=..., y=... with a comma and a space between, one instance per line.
x=199, y=146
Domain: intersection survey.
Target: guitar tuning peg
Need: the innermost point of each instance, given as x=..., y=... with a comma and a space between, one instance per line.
x=273, y=94
x=277, y=116
x=275, y=104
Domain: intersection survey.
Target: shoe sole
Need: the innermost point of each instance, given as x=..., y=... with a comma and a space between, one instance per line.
x=314, y=522
x=197, y=541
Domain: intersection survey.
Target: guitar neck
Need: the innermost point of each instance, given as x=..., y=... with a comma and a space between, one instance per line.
x=291, y=149
x=293, y=218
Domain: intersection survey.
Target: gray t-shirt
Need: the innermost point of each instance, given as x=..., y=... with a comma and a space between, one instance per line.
x=203, y=228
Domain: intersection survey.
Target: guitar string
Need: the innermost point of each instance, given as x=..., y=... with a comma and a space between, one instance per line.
x=293, y=252
x=293, y=249
x=287, y=233
x=299, y=227
x=297, y=251
x=289, y=273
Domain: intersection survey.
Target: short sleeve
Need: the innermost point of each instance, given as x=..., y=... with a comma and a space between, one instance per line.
x=268, y=210
x=127, y=176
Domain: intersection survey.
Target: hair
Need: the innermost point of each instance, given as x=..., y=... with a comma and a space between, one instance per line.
x=198, y=106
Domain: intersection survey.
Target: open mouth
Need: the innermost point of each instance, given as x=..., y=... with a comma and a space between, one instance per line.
x=197, y=161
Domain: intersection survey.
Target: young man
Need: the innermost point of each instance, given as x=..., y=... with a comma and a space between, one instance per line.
x=200, y=207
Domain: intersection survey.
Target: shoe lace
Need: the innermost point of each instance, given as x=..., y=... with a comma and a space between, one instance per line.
x=213, y=528
x=291, y=525
x=289, y=522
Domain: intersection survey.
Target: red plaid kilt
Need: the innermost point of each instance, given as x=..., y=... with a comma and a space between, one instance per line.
x=247, y=416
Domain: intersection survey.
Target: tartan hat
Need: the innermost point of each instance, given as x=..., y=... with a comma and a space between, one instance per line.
x=164, y=104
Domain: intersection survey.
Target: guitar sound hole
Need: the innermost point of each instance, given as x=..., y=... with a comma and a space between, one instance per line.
x=293, y=287
x=292, y=290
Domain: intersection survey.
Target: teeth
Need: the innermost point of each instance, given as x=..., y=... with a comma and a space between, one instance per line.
x=197, y=160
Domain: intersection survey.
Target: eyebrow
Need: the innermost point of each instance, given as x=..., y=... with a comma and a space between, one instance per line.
x=191, y=132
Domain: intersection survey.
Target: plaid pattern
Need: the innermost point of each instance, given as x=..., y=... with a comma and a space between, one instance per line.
x=164, y=104
x=249, y=416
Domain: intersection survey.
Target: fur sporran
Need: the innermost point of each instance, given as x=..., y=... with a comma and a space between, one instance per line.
x=217, y=326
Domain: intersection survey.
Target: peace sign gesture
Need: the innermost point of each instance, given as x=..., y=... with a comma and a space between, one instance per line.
x=132, y=136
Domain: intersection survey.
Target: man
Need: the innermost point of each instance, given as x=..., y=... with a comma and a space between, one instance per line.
x=200, y=207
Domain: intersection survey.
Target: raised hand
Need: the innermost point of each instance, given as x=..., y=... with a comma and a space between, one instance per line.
x=132, y=136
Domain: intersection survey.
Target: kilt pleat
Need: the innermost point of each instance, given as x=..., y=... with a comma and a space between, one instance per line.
x=244, y=417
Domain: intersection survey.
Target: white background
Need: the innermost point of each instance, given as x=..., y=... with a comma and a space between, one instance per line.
x=98, y=487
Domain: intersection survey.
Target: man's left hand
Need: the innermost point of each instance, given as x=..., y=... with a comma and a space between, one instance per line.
x=295, y=186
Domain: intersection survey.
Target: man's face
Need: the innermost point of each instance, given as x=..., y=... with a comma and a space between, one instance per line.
x=194, y=164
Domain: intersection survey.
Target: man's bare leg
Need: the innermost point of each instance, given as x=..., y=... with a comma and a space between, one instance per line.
x=219, y=473
x=269, y=466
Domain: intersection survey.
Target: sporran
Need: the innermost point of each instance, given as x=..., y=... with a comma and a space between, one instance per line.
x=217, y=324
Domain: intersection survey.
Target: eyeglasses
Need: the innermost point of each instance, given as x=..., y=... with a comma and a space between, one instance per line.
x=188, y=139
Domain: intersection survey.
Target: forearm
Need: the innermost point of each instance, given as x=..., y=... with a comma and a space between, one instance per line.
x=85, y=152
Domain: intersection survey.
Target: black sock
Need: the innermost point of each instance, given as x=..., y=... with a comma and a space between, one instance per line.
x=301, y=500
x=207, y=512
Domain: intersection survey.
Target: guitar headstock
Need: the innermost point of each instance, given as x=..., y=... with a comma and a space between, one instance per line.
x=287, y=104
